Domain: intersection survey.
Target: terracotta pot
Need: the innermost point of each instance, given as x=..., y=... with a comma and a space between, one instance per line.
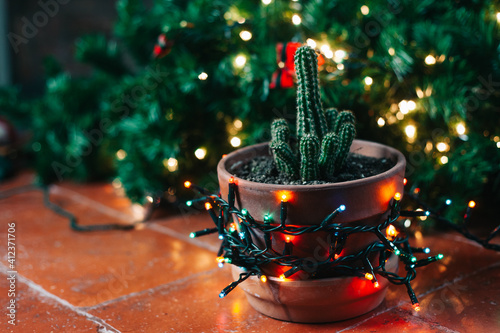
x=366, y=200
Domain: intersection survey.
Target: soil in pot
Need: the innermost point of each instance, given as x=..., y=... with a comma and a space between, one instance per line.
x=262, y=169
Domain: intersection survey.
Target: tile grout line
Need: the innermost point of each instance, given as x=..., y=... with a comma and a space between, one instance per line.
x=153, y=289
x=170, y=232
x=444, y=285
x=44, y=293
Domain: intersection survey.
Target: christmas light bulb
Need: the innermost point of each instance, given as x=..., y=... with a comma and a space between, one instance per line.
x=284, y=198
x=410, y=131
x=288, y=239
x=263, y=278
x=369, y=276
x=430, y=60
x=240, y=61
x=416, y=307
x=121, y=154
x=368, y=81
x=391, y=51
x=208, y=206
x=231, y=180
x=342, y=208
x=405, y=181
x=282, y=277
x=235, y=141
x=311, y=43
x=328, y=54
x=472, y=204
x=192, y=235
x=203, y=76
x=443, y=160
x=391, y=231
x=266, y=2
x=189, y=203
x=296, y=19
x=460, y=129
x=365, y=10
x=171, y=164
x=442, y=147
x=376, y=284
x=397, y=196
x=440, y=256
x=448, y=202
x=187, y=184
x=498, y=17
x=200, y=153
x=427, y=250
x=245, y=35
x=380, y=122
x=244, y=212
x=238, y=124
x=219, y=259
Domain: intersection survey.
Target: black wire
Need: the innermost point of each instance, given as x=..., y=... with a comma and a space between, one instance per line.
x=73, y=221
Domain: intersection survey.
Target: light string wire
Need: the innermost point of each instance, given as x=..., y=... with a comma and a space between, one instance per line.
x=237, y=229
x=73, y=220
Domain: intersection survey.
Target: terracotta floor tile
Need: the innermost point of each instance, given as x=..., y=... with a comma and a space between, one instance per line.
x=89, y=268
x=468, y=305
x=194, y=306
x=38, y=313
x=188, y=222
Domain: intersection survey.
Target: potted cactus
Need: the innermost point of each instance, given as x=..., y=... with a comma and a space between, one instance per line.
x=317, y=252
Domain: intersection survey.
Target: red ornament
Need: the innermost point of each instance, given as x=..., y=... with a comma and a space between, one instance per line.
x=162, y=47
x=284, y=76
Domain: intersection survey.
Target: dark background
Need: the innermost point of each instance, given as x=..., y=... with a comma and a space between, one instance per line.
x=56, y=38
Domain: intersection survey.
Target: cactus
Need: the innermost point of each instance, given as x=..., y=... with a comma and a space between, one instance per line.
x=324, y=137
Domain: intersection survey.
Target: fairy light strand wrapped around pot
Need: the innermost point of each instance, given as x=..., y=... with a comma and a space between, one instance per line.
x=324, y=137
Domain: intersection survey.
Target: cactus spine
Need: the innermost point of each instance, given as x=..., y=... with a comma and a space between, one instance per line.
x=324, y=137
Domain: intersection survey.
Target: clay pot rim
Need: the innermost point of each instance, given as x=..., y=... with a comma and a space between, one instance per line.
x=222, y=170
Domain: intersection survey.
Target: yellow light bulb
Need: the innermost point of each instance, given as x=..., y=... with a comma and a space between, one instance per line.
x=430, y=60
x=472, y=204
x=245, y=35
x=460, y=129
x=368, y=81
x=263, y=278
x=200, y=153
x=240, y=61
x=369, y=276
x=296, y=19
x=380, y=122
x=235, y=141
x=365, y=10
x=203, y=76
x=410, y=131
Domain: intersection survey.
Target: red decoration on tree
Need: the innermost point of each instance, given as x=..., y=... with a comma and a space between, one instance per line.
x=284, y=76
x=162, y=47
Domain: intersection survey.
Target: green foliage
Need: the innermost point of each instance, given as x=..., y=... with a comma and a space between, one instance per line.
x=182, y=113
x=322, y=152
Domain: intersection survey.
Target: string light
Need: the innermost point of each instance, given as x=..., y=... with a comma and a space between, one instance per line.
x=328, y=54
x=240, y=61
x=203, y=76
x=235, y=141
x=252, y=257
x=380, y=122
x=171, y=164
x=245, y=35
x=365, y=10
x=200, y=153
x=238, y=124
x=368, y=81
x=311, y=43
x=341, y=54
x=442, y=146
x=296, y=19
x=121, y=154
x=430, y=60
x=410, y=131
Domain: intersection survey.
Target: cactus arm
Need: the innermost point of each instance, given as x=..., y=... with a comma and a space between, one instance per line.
x=310, y=115
x=309, y=151
x=331, y=115
x=342, y=118
x=279, y=130
x=328, y=155
x=286, y=161
x=346, y=135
